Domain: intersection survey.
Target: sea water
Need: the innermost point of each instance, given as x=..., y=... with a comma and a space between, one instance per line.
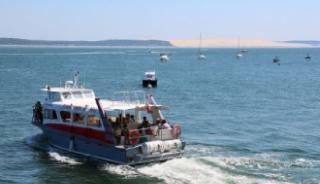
x=244, y=120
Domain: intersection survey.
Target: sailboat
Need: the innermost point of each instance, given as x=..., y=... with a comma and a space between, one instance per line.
x=201, y=55
x=239, y=55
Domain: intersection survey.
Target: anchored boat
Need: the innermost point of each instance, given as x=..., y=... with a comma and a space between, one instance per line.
x=307, y=57
x=276, y=60
x=164, y=57
x=73, y=119
x=149, y=79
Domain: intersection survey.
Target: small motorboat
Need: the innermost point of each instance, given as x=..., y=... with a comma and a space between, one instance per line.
x=239, y=55
x=202, y=56
x=276, y=60
x=75, y=121
x=307, y=57
x=149, y=80
x=164, y=57
x=244, y=50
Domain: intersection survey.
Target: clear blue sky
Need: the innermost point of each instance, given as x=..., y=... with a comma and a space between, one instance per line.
x=160, y=19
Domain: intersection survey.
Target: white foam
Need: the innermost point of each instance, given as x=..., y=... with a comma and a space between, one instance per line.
x=196, y=170
x=63, y=159
x=123, y=170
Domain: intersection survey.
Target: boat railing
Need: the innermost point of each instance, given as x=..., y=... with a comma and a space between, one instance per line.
x=136, y=136
x=130, y=97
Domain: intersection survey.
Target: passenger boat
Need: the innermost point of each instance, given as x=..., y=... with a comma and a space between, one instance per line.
x=74, y=120
x=149, y=79
x=164, y=57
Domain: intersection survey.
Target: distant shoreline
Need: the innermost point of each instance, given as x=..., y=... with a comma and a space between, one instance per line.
x=233, y=43
x=154, y=44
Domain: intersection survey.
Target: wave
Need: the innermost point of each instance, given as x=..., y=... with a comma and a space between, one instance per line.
x=40, y=143
x=63, y=159
x=197, y=170
x=207, y=164
x=123, y=170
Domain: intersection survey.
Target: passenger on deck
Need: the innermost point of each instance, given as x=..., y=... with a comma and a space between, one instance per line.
x=155, y=127
x=145, y=123
x=165, y=125
x=132, y=123
x=126, y=120
x=117, y=130
x=144, y=127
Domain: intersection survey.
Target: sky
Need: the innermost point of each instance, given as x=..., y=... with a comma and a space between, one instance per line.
x=276, y=20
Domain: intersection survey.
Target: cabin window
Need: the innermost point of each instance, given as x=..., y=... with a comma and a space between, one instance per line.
x=54, y=96
x=77, y=94
x=88, y=94
x=66, y=95
x=50, y=114
x=94, y=121
x=78, y=118
x=66, y=116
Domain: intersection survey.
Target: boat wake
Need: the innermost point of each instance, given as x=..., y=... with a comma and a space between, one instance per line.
x=63, y=159
x=123, y=170
x=205, y=170
x=38, y=142
x=204, y=164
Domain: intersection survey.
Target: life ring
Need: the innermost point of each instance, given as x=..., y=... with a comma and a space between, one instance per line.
x=176, y=131
x=134, y=136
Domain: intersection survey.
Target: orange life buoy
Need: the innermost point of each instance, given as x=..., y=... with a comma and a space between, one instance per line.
x=176, y=131
x=134, y=136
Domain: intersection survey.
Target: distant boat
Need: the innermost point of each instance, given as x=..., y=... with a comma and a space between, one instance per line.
x=164, y=57
x=240, y=53
x=276, y=60
x=244, y=50
x=201, y=56
x=149, y=80
x=308, y=57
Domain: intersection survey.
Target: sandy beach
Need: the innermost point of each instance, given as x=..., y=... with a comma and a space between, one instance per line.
x=233, y=43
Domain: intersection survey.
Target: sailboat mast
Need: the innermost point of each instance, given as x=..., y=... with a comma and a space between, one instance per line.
x=200, y=43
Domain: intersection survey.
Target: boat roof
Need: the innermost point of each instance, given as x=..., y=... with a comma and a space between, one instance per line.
x=107, y=105
x=150, y=73
x=63, y=89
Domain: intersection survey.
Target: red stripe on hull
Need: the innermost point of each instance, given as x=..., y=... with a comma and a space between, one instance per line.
x=85, y=132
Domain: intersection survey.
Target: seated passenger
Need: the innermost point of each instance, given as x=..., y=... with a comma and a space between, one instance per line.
x=165, y=125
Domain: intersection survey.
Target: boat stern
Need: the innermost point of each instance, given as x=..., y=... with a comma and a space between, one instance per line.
x=155, y=151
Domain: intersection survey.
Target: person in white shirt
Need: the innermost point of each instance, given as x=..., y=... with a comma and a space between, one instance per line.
x=165, y=125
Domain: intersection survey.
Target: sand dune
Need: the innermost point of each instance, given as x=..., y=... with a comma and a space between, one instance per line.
x=229, y=43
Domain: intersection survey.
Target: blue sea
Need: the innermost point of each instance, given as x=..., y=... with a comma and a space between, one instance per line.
x=244, y=121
